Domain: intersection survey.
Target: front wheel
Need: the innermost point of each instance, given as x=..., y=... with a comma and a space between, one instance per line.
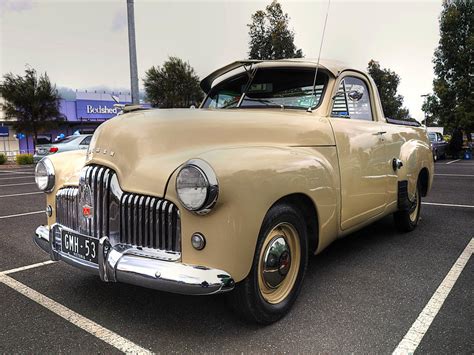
x=279, y=265
x=407, y=220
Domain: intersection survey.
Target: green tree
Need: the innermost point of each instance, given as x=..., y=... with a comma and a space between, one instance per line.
x=452, y=101
x=270, y=37
x=175, y=84
x=32, y=100
x=387, y=84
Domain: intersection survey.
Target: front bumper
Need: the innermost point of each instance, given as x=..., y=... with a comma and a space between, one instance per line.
x=118, y=264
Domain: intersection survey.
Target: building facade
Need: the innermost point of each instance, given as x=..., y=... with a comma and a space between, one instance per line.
x=83, y=115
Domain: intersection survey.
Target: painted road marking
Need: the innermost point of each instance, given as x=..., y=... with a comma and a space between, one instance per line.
x=415, y=334
x=78, y=320
x=27, y=267
x=18, y=169
x=18, y=172
x=23, y=183
x=21, y=214
x=15, y=177
x=452, y=161
x=463, y=175
x=446, y=204
x=22, y=194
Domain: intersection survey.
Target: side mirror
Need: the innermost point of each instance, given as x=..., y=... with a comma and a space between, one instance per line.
x=354, y=95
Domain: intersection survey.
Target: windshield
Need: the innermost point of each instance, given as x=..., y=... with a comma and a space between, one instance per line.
x=270, y=88
x=66, y=140
x=432, y=136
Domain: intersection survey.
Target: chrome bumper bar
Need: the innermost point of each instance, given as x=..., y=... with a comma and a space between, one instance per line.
x=118, y=264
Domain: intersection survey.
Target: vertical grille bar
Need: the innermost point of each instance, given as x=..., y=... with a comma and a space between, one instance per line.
x=99, y=214
x=105, y=203
x=159, y=229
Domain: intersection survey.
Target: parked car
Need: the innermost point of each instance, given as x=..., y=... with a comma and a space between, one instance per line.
x=234, y=196
x=438, y=145
x=75, y=142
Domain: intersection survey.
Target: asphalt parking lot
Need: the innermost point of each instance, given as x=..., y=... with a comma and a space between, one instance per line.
x=364, y=294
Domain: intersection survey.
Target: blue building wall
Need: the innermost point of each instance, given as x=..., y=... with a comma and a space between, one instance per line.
x=84, y=114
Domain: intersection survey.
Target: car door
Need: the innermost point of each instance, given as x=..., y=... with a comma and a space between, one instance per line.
x=361, y=151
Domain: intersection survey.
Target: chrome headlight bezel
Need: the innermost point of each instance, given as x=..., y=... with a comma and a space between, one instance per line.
x=47, y=186
x=211, y=186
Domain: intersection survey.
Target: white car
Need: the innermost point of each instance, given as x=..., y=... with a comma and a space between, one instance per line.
x=75, y=142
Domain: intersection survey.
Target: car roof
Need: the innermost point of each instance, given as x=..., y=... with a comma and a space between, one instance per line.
x=333, y=66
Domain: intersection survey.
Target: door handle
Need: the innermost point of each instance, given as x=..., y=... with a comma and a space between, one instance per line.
x=379, y=133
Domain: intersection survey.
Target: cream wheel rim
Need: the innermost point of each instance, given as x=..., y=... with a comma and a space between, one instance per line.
x=279, y=263
x=414, y=209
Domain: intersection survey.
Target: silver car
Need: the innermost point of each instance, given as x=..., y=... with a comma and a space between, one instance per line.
x=76, y=142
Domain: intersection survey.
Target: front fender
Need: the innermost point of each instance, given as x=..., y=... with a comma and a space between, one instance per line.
x=251, y=180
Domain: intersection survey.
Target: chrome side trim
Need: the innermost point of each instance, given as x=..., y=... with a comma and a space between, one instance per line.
x=124, y=263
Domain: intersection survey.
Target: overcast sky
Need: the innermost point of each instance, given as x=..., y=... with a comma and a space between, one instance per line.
x=85, y=43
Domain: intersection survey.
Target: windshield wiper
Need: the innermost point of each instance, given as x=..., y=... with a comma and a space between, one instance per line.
x=263, y=101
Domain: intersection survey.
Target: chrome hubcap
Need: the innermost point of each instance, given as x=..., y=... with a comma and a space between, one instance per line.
x=277, y=261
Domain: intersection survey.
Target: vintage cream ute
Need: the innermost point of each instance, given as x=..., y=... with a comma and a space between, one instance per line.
x=282, y=158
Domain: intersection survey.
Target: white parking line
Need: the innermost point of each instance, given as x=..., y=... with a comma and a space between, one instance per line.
x=452, y=161
x=417, y=331
x=27, y=267
x=22, y=194
x=445, y=204
x=28, y=172
x=18, y=169
x=23, y=183
x=21, y=214
x=462, y=175
x=82, y=322
x=15, y=177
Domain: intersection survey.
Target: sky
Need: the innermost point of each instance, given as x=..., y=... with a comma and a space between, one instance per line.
x=83, y=43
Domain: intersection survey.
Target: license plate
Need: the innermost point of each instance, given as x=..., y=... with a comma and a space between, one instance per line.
x=80, y=246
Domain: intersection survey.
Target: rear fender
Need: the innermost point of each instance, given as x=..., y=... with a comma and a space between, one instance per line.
x=415, y=155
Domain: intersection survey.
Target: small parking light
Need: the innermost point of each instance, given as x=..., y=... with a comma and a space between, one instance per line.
x=198, y=241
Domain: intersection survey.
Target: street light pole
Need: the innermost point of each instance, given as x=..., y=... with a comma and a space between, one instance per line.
x=426, y=114
x=132, y=51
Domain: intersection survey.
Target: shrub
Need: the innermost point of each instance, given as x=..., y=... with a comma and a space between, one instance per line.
x=3, y=158
x=23, y=159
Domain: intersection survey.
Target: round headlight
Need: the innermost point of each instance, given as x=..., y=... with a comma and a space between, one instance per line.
x=44, y=175
x=196, y=186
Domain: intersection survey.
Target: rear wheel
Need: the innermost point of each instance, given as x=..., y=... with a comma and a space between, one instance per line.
x=407, y=220
x=279, y=264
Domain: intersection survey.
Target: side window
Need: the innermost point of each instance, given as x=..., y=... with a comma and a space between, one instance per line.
x=352, y=100
x=86, y=141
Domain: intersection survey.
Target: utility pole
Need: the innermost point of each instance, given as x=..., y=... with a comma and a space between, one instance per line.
x=426, y=114
x=132, y=48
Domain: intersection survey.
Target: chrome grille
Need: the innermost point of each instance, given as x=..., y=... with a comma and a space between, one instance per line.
x=126, y=218
x=67, y=207
x=98, y=178
x=149, y=221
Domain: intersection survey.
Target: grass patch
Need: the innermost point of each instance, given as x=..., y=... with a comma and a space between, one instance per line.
x=24, y=159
